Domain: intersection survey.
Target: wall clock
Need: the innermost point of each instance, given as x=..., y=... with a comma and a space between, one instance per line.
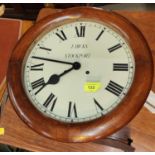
x=80, y=74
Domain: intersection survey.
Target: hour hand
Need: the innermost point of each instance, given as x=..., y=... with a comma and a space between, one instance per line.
x=54, y=79
x=53, y=60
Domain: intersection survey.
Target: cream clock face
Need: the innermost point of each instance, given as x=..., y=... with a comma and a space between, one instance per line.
x=78, y=72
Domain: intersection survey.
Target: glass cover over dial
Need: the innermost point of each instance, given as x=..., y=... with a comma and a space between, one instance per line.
x=79, y=71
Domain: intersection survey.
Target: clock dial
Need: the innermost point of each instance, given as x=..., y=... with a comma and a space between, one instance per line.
x=79, y=71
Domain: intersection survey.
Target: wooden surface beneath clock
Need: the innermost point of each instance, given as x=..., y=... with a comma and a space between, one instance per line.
x=138, y=127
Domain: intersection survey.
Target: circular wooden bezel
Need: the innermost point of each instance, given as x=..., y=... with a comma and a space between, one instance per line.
x=104, y=126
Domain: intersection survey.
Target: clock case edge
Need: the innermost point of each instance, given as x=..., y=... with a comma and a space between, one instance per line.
x=102, y=127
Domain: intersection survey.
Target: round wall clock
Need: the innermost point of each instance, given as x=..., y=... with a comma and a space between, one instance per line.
x=80, y=74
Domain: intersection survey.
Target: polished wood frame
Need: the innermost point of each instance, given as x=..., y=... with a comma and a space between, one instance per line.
x=104, y=126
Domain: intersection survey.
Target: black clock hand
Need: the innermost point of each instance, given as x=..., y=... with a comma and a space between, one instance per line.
x=53, y=60
x=54, y=79
x=66, y=71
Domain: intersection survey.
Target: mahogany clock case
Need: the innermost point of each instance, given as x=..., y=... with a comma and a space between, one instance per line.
x=106, y=125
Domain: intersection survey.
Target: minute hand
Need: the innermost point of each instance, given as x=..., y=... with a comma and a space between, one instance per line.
x=53, y=60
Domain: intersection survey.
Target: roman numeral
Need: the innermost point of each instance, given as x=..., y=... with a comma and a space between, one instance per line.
x=50, y=100
x=38, y=67
x=98, y=105
x=114, y=88
x=62, y=35
x=72, y=110
x=81, y=31
x=120, y=67
x=100, y=34
x=44, y=48
x=112, y=49
x=38, y=83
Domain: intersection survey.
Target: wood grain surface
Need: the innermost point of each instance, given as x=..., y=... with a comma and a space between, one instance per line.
x=142, y=127
x=10, y=31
